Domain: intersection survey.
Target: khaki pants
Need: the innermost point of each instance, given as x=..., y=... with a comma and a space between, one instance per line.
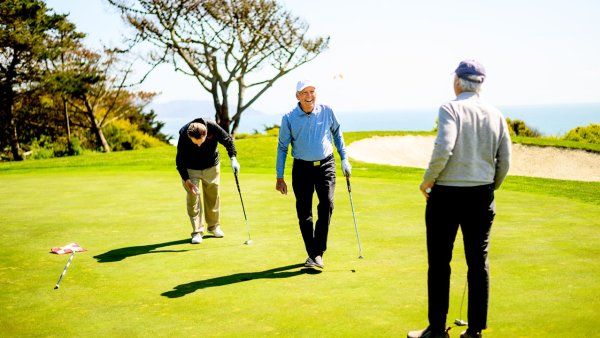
x=209, y=204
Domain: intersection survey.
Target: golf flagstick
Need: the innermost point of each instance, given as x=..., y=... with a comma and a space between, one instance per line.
x=354, y=216
x=237, y=183
x=64, y=270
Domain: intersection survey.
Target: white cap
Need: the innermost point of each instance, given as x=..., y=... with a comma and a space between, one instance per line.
x=303, y=84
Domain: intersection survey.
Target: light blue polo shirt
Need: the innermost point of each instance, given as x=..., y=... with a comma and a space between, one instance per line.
x=310, y=135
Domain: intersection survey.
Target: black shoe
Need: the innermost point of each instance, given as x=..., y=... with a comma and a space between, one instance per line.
x=428, y=333
x=471, y=334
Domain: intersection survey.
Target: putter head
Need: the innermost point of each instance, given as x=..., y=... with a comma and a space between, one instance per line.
x=248, y=242
x=360, y=257
x=460, y=322
x=55, y=287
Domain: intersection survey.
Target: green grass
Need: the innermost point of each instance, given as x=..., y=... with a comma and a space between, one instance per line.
x=547, y=141
x=140, y=277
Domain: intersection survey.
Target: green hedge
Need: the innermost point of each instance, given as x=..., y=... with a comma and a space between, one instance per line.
x=122, y=135
x=519, y=128
x=587, y=134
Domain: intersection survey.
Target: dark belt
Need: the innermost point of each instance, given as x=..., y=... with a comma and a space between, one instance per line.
x=314, y=163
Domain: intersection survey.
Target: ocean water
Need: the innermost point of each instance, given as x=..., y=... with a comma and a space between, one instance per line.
x=547, y=119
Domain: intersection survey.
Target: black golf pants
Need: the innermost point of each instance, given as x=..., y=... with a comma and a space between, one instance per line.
x=471, y=208
x=308, y=177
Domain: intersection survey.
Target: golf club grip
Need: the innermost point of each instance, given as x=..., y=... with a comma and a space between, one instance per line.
x=348, y=183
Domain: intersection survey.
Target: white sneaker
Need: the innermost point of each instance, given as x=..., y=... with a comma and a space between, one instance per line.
x=309, y=263
x=197, y=239
x=319, y=262
x=217, y=232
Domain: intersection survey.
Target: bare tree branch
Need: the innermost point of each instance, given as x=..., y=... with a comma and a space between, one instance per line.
x=219, y=42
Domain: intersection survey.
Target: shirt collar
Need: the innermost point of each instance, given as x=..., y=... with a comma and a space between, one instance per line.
x=466, y=95
x=301, y=112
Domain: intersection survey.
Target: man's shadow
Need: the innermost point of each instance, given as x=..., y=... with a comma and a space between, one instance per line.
x=184, y=289
x=130, y=251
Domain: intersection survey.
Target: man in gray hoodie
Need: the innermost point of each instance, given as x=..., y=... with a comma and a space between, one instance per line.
x=469, y=161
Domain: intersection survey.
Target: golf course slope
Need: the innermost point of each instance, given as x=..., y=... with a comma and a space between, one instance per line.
x=141, y=277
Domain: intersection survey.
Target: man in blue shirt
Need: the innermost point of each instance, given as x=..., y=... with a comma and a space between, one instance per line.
x=311, y=128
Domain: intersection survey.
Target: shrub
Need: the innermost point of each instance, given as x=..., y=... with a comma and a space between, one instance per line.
x=122, y=135
x=41, y=148
x=74, y=147
x=269, y=131
x=587, y=134
x=46, y=147
x=519, y=128
x=272, y=130
x=241, y=136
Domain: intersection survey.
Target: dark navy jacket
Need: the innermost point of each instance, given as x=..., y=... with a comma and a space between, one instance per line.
x=190, y=156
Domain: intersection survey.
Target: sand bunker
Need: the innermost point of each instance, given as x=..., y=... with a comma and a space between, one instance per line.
x=415, y=151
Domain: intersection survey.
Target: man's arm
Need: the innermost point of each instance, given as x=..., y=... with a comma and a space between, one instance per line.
x=285, y=137
x=444, y=144
x=338, y=138
x=179, y=162
x=502, y=157
x=223, y=137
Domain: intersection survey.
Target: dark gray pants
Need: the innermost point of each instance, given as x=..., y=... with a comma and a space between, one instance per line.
x=308, y=177
x=473, y=209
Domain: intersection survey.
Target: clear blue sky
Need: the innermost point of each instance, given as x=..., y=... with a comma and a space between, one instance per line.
x=400, y=54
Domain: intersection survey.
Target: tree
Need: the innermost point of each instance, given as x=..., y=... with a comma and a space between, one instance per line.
x=68, y=73
x=240, y=46
x=28, y=34
x=148, y=124
x=99, y=91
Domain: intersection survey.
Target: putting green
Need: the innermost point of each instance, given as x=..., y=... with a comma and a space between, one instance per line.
x=141, y=277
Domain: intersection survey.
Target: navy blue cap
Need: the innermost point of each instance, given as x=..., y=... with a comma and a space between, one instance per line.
x=469, y=67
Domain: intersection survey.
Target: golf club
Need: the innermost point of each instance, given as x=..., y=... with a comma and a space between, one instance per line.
x=459, y=321
x=64, y=270
x=237, y=183
x=354, y=216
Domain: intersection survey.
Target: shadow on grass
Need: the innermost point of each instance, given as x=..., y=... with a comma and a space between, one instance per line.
x=130, y=251
x=281, y=272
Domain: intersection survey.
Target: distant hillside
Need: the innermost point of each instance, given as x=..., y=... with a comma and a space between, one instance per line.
x=177, y=113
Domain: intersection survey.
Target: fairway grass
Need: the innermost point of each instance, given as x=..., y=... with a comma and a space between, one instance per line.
x=141, y=277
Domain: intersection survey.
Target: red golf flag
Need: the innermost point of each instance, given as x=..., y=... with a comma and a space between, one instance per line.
x=69, y=248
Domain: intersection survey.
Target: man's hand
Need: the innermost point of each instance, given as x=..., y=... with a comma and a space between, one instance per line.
x=191, y=187
x=281, y=186
x=235, y=165
x=426, y=188
x=346, y=167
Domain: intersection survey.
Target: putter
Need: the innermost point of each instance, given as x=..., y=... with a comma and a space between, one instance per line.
x=64, y=270
x=237, y=183
x=459, y=321
x=354, y=216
